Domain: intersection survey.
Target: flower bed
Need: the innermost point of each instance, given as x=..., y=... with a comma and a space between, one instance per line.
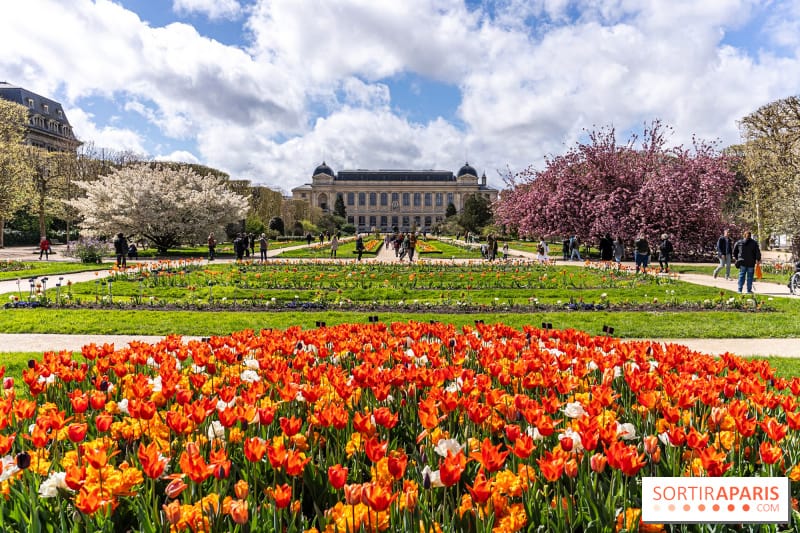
x=408, y=426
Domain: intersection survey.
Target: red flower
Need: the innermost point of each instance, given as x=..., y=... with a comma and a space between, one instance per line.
x=490, y=457
x=481, y=489
x=337, y=475
x=282, y=494
x=254, y=449
x=451, y=467
x=291, y=426
x=375, y=449
x=377, y=497
x=398, y=461
x=150, y=458
x=77, y=432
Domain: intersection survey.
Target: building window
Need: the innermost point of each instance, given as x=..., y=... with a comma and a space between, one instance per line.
x=417, y=199
x=302, y=195
x=46, y=109
x=394, y=222
x=60, y=113
x=395, y=197
x=362, y=221
x=427, y=222
x=428, y=199
x=30, y=102
x=406, y=199
x=384, y=222
x=373, y=199
x=373, y=221
x=362, y=198
x=439, y=199
x=351, y=199
x=416, y=222
x=384, y=199
x=351, y=220
x=405, y=223
x=450, y=199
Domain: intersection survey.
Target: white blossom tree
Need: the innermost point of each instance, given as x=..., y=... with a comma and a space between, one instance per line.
x=167, y=206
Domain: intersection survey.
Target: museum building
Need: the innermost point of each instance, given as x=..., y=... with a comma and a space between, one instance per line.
x=388, y=199
x=47, y=126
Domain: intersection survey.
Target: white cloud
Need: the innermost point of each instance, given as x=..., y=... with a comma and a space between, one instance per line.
x=213, y=9
x=318, y=78
x=180, y=156
x=106, y=136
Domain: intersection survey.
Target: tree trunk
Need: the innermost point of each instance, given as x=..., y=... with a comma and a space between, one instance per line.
x=42, y=224
x=2, y=232
x=796, y=247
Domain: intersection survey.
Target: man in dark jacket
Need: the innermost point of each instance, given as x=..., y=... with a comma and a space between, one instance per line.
x=724, y=252
x=746, y=255
x=121, y=250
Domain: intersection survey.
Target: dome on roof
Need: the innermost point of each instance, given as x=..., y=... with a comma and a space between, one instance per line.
x=467, y=170
x=323, y=169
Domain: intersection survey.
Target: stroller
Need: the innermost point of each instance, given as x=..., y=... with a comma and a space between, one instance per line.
x=794, y=280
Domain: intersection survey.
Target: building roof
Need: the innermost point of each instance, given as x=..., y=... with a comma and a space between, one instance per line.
x=467, y=170
x=323, y=169
x=395, y=175
x=25, y=97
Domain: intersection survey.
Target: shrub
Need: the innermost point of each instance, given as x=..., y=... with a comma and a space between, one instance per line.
x=89, y=250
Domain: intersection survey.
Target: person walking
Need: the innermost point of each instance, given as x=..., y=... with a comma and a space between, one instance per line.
x=541, y=251
x=665, y=250
x=412, y=246
x=619, y=250
x=44, y=248
x=641, y=253
x=565, y=249
x=121, y=249
x=359, y=246
x=606, y=246
x=239, y=245
x=746, y=255
x=263, y=246
x=724, y=253
x=308, y=238
x=212, y=246
x=251, y=239
x=575, y=248
x=334, y=246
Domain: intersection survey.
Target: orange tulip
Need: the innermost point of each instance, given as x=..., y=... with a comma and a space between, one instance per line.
x=384, y=417
x=254, y=449
x=377, y=497
x=77, y=432
x=282, y=494
x=481, y=489
x=490, y=457
x=598, y=462
x=770, y=453
x=241, y=489
x=290, y=426
x=103, y=422
x=524, y=446
x=398, y=461
x=172, y=511
x=552, y=466
x=239, y=512
x=295, y=463
x=376, y=449
x=175, y=487
x=451, y=467
x=150, y=458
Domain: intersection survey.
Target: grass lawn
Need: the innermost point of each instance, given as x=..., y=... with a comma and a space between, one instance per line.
x=714, y=324
x=346, y=250
x=28, y=269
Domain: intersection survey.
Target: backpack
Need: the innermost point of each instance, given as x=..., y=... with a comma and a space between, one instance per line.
x=540, y=249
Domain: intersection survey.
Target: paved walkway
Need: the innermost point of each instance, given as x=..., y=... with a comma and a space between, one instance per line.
x=46, y=342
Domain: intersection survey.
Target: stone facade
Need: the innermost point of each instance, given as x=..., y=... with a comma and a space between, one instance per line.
x=388, y=199
x=48, y=126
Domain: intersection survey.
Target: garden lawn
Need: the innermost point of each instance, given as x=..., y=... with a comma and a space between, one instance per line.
x=28, y=269
x=694, y=324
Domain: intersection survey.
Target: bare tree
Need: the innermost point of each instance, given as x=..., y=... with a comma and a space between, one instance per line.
x=14, y=169
x=771, y=163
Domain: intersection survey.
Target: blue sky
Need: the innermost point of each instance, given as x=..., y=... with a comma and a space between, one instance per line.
x=267, y=89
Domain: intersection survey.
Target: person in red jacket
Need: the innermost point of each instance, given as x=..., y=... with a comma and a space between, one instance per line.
x=44, y=248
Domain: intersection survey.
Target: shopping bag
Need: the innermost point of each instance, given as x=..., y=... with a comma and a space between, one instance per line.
x=759, y=274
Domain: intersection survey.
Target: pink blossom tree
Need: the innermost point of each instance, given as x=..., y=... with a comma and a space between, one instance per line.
x=603, y=187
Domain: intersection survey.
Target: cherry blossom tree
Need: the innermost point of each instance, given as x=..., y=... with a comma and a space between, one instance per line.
x=165, y=204
x=601, y=187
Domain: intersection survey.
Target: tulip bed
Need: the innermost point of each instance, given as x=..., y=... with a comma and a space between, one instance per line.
x=480, y=286
x=373, y=427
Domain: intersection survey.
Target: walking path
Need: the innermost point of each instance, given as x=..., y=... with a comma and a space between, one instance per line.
x=49, y=342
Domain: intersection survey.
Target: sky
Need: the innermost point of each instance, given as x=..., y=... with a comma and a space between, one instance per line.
x=266, y=90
